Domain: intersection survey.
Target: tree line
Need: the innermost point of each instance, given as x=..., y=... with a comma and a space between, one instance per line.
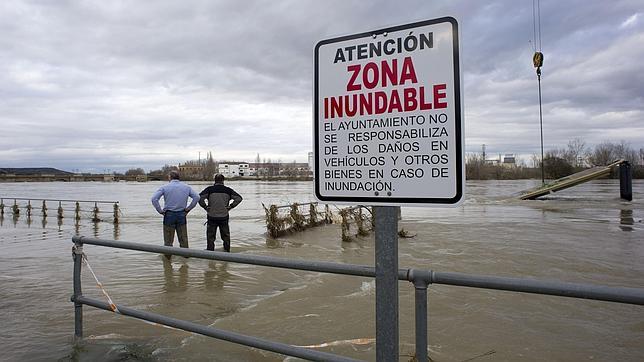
x=558, y=162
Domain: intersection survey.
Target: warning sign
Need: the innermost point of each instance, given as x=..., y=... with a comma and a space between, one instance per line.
x=387, y=116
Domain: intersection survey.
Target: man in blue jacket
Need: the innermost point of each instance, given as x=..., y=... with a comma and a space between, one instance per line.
x=175, y=197
x=216, y=200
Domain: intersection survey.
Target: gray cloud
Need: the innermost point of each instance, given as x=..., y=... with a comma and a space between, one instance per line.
x=117, y=84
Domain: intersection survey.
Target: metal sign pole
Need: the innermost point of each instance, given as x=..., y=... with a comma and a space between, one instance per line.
x=386, y=230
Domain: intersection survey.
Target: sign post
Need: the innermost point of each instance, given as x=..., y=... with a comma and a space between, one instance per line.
x=388, y=131
x=386, y=230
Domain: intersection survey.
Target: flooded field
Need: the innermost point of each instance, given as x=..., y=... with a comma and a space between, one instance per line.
x=585, y=234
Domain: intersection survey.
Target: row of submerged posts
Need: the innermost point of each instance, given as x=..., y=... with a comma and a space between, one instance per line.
x=41, y=204
x=286, y=219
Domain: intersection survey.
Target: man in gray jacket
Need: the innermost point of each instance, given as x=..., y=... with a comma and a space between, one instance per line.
x=216, y=200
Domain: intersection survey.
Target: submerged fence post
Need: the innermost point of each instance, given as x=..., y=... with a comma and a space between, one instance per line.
x=77, y=211
x=626, y=181
x=60, y=211
x=77, y=254
x=328, y=217
x=386, y=283
x=15, y=209
x=116, y=213
x=344, y=213
x=29, y=208
x=1, y=207
x=360, y=222
x=95, y=212
x=313, y=214
x=44, y=208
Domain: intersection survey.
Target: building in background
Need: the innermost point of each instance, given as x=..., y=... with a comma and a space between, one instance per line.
x=265, y=169
x=509, y=160
x=191, y=169
x=230, y=170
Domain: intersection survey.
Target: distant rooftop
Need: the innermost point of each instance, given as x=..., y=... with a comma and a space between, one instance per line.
x=33, y=171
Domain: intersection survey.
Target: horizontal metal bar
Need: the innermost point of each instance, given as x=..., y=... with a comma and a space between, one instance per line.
x=59, y=200
x=573, y=290
x=584, y=291
x=255, y=342
x=317, y=266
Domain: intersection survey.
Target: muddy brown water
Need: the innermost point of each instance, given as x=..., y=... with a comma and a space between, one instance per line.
x=585, y=234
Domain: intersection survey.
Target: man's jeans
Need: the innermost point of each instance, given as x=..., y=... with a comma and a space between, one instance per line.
x=175, y=220
x=211, y=233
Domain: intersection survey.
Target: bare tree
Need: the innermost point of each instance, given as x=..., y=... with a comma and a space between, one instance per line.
x=603, y=154
x=475, y=167
x=624, y=151
x=209, y=167
x=607, y=152
x=536, y=160
x=555, y=164
x=167, y=168
x=575, y=150
x=135, y=172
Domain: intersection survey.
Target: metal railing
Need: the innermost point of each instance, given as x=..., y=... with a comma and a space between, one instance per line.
x=421, y=279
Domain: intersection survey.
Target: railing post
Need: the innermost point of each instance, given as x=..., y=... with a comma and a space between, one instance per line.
x=421, y=280
x=77, y=254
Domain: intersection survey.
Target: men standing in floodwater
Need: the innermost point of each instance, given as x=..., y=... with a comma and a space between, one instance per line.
x=215, y=200
x=175, y=197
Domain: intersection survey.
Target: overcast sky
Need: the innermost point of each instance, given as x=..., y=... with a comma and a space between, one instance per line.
x=109, y=85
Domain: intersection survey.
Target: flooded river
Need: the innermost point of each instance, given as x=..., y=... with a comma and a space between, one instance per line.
x=585, y=234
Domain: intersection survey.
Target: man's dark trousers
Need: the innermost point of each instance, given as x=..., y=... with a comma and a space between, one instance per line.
x=211, y=233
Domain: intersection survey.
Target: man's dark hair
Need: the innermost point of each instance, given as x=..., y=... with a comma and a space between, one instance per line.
x=219, y=178
x=174, y=175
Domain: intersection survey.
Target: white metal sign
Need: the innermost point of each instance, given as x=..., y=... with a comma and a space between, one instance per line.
x=387, y=116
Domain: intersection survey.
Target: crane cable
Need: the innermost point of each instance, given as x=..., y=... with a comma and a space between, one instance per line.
x=537, y=58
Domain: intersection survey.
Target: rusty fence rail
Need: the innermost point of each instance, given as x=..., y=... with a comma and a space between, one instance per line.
x=420, y=279
x=73, y=206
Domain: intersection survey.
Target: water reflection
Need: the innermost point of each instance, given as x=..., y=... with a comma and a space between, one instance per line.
x=28, y=221
x=626, y=220
x=175, y=282
x=117, y=231
x=216, y=275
